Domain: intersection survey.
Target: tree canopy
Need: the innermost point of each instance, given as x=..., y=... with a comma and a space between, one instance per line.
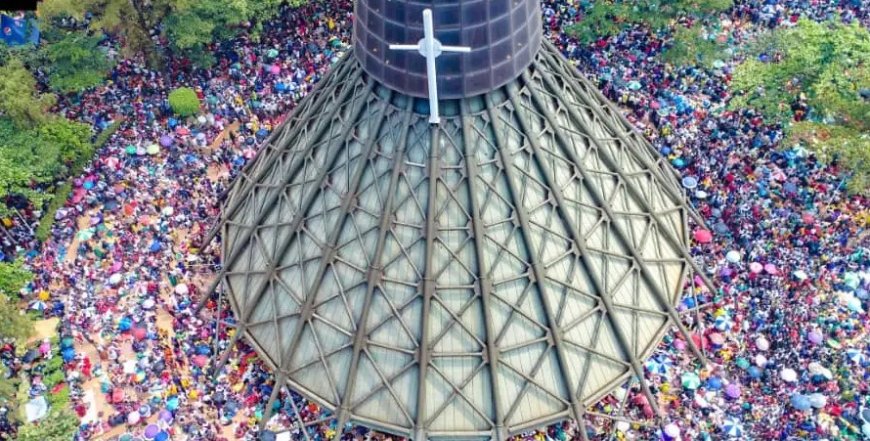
x=811, y=77
x=605, y=19
x=59, y=425
x=19, y=98
x=184, y=102
x=76, y=62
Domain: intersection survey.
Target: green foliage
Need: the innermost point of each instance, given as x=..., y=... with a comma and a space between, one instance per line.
x=19, y=99
x=122, y=17
x=8, y=387
x=54, y=379
x=76, y=62
x=31, y=159
x=846, y=145
x=59, y=399
x=827, y=63
x=604, y=18
x=184, y=102
x=693, y=46
x=13, y=324
x=191, y=25
x=61, y=194
x=59, y=425
x=13, y=277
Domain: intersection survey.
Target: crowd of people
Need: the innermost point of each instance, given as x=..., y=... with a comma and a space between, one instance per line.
x=786, y=333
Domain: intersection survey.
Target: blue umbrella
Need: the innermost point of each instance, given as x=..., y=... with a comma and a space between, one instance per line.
x=754, y=372
x=68, y=354
x=714, y=383
x=155, y=246
x=280, y=87
x=262, y=132
x=800, y=402
x=125, y=324
x=162, y=436
x=172, y=404
x=172, y=123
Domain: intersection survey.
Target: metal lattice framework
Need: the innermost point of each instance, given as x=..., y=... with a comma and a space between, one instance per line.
x=500, y=271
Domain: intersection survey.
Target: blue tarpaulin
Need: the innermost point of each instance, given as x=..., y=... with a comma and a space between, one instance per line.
x=18, y=31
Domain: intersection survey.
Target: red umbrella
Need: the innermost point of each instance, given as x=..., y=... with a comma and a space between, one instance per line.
x=139, y=333
x=703, y=236
x=183, y=131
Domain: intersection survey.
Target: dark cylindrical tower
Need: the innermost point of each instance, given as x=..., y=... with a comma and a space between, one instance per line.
x=504, y=36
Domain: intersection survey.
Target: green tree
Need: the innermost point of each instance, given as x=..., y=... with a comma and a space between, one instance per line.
x=829, y=65
x=606, y=18
x=130, y=19
x=76, y=62
x=13, y=277
x=184, y=102
x=190, y=25
x=19, y=99
x=693, y=45
x=59, y=425
x=13, y=323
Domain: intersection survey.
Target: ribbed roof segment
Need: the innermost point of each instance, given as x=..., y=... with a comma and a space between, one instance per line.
x=500, y=271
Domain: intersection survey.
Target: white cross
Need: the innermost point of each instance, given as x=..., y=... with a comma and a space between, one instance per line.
x=430, y=48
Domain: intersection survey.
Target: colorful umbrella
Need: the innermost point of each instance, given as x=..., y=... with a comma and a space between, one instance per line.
x=166, y=140
x=818, y=400
x=732, y=428
x=703, y=236
x=690, y=380
x=800, y=402
x=690, y=182
x=732, y=391
x=151, y=431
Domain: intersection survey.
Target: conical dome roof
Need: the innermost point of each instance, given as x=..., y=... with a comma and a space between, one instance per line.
x=497, y=272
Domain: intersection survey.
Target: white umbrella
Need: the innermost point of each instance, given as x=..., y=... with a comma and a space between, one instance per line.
x=733, y=256
x=115, y=279
x=818, y=400
x=788, y=375
x=130, y=367
x=181, y=289
x=855, y=356
x=148, y=304
x=733, y=428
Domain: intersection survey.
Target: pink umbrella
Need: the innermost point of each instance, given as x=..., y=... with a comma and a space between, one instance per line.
x=717, y=339
x=756, y=267
x=183, y=131
x=112, y=162
x=200, y=360
x=703, y=236
x=116, y=266
x=771, y=269
x=808, y=218
x=275, y=69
